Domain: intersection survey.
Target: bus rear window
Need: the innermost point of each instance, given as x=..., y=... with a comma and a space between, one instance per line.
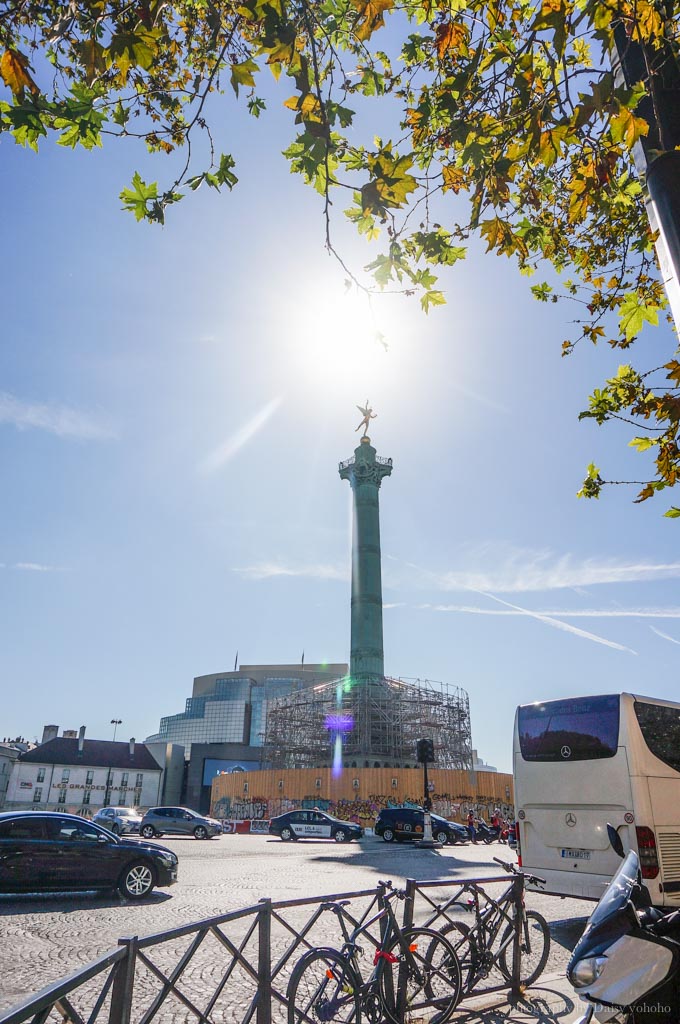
x=660, y=728
x=580, y=729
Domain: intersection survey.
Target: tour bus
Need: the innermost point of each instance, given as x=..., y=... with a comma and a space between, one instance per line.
x=586, y=761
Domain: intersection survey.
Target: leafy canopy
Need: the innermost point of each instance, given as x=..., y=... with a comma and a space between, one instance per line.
x=512, y=119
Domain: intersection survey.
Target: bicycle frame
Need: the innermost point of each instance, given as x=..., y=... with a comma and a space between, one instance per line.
x=489, y=919
x=389, y=929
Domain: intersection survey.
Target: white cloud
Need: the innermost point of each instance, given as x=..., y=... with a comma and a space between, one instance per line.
x=664, y=635
x=233, y=444
x=36, y=567
x=583, y=613
x=557, y=624
x=55, y=419
x=269, y=570
x=521, y=571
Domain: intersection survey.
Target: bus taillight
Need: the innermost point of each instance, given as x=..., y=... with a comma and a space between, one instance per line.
x=649, y=861
x=519, y=845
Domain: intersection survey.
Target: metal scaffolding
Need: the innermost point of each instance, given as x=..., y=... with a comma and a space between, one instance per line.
x=371, y=723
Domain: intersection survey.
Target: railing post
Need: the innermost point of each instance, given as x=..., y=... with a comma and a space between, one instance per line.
x=264, y=963
x=123, y=984
x=517, y=937
x=409, y=903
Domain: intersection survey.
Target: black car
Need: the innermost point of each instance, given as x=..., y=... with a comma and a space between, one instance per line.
x=46, y=851
x=408, y=823
x=314, y=825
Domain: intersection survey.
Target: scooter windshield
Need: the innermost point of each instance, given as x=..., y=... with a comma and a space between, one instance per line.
x=618, y=892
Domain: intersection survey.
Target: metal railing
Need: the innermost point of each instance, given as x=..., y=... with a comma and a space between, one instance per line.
x=240, y=959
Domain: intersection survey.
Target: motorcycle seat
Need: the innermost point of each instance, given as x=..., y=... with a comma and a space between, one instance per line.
x=667, y=924
x=650, y=915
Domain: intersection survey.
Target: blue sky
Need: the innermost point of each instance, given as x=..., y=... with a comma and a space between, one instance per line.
x=173, y=406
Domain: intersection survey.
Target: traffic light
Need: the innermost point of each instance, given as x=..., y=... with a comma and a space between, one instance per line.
x=425, y=751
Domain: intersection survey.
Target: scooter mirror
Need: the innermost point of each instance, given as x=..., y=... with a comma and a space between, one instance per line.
x=615, y=840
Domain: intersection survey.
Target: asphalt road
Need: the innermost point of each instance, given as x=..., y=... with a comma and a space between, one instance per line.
x=43, y=938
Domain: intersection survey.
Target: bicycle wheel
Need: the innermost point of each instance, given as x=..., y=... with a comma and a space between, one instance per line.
x=534, y=949
x=428, y=979
x=323, y=988
x=460, y=937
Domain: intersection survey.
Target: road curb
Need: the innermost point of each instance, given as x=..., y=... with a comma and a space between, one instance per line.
x=493, y=1000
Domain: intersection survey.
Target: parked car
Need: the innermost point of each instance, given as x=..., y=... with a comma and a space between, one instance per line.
x=408, y=823
x=43, y=851
x=313, y=825
x=178, y=821
x=119, y=820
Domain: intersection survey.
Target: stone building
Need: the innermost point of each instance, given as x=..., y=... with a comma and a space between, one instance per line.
x=80, y=776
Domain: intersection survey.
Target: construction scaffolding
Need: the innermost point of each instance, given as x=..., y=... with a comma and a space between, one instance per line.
x=371, y=723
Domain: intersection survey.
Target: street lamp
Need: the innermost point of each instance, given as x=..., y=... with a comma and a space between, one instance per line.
x=115, y=722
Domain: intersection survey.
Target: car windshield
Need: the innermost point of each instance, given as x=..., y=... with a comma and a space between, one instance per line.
x=126, y=812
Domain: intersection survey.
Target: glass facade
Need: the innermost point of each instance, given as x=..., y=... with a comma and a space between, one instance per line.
x=233, y=710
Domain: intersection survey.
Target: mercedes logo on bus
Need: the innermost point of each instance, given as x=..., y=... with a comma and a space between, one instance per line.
x=570, y=819
x=565, y=751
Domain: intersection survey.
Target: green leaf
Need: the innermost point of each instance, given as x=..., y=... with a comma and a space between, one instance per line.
x=243, y=74
x=137, y=198
x=673, y=513
x=633, y=314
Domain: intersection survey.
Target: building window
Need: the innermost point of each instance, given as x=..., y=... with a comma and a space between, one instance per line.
x=122, y=798
x=37, y=795
x=395, y=783
x=65, y=774
x=124, y=780
x=62, y=796
x=86, y=796
x=140, y=780
x=41, y=775
x=89, y=778
x=355, y=783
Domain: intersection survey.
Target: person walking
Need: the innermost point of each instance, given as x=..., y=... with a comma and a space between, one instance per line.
x=471, y=826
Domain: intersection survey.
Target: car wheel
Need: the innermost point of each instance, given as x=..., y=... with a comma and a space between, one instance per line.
x=341, y=836
x=388, y=835
x=115, y=828
x=442, y=837
x=200, y=832
x=287, y=834
x=137, y=881
x=149, y=832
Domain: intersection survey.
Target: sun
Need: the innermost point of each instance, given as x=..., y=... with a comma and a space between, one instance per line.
x=337, y=338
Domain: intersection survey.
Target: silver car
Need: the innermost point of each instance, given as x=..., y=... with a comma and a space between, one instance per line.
x=178, y=820
x=120, y=820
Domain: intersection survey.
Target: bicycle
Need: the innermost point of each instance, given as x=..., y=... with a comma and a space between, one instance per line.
x=526, y=935
x=414, y=969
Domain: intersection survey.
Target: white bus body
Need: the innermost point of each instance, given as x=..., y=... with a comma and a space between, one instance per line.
x=585, y=761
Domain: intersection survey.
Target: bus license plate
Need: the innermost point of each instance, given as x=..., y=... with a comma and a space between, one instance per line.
x=576, y=854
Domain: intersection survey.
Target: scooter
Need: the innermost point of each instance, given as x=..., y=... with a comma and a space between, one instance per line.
x=487, y=833
x=626, y=964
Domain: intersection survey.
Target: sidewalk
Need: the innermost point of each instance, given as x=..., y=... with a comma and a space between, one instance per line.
x=550, y=1001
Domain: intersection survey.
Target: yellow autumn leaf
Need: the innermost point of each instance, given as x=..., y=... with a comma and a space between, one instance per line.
x=628, y=128
x=451, y=35
x=454, y=179
x=14, y=73
x=370, y=16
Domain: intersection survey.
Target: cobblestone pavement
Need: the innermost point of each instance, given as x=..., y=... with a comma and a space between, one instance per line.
x=43, y=938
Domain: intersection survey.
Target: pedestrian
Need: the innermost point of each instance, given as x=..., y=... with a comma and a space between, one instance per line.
x=471, y=826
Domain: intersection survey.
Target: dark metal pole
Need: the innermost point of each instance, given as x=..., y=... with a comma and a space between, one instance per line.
x=264, y=963
x=123, y=984
x=656, y=158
